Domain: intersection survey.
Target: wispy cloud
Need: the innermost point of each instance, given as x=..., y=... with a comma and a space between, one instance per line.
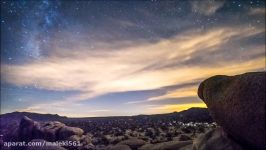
x=206, y=72
x=206, y=7
x=97, y=72
x=257, y=11
x=178, y=93
x=100, y=110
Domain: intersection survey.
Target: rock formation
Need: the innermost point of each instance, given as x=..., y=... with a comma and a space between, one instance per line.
x=51, y=131
x=237, y=104
x=171, y=145
x=133, y=143
x=215, y=139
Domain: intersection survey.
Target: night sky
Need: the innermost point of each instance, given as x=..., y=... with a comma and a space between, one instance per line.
x=105, y=58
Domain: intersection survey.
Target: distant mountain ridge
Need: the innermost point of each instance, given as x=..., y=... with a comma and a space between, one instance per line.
x=190, y=115
x=35, y=116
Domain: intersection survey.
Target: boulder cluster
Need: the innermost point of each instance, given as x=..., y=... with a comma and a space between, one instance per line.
x=172, y=136
x=52, y=131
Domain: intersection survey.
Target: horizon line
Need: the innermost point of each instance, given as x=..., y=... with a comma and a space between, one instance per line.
x=101, y=116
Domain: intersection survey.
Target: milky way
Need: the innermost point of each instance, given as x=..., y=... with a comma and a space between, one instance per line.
x=123, y=58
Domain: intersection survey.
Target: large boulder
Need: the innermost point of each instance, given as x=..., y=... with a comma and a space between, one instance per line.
x=119, y=147
x=184, y=137
x=67, y=131
x=215, y=139
x=237, y=103
x=133, y=143
x=27, y=129
x=50, y=131
x=171, y=145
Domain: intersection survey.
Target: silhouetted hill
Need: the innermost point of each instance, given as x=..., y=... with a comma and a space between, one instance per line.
x=15, y=117
x=190, y=115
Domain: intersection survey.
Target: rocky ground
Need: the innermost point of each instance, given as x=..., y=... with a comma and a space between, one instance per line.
x=236, y=103
x=139, y=132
